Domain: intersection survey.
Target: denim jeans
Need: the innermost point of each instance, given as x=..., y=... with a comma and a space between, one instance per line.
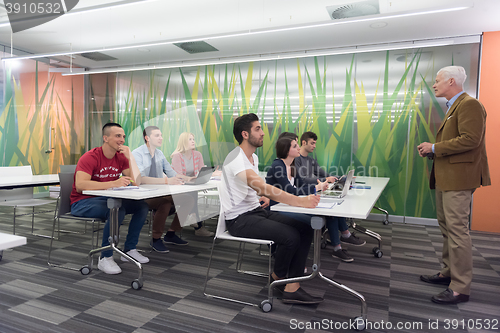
x=333, y=223
x=97, y=207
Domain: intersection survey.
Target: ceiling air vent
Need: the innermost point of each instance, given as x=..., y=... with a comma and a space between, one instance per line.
x=97, y=56
x=196, y=47
x=351, y=10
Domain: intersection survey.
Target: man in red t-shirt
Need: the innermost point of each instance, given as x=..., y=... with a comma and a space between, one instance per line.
x=100, y=169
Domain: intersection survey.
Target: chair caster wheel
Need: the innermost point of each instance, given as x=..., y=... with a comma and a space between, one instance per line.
x=85, y=270
x=360, y=324
x=377, y=253
x=136, y=284
x=266, y=306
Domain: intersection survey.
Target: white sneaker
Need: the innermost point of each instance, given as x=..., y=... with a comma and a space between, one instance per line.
x=108, y=266
x=137, y=256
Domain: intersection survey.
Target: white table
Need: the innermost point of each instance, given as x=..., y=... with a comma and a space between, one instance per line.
x=8, y=241
x=146, y=191
x=17, y=182
x=358, y=203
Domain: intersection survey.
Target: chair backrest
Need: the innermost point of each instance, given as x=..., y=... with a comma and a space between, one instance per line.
x=17, y=193
x=68, y=168
x=66, y=182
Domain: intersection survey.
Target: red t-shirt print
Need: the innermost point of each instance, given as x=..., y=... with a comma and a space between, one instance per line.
x=101, y=169
x=106, y=174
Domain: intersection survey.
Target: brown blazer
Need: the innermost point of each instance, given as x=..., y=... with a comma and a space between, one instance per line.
x=460, y=161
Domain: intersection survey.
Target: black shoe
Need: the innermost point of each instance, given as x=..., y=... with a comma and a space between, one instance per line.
x=158, y=246
x=353, y=240
x=342, y=255
x=300, y=297
x=447, y=297
x=280, y=288
x=175, y=240
x=436, y=279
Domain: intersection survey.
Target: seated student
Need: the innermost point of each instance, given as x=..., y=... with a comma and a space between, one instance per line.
x=240, y=189
x=283, y=175
x=153, y=165
x=186, y=160
x=100, y=169
x=308, y=167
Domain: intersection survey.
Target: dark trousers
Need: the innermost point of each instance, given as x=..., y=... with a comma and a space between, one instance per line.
x=292, y=237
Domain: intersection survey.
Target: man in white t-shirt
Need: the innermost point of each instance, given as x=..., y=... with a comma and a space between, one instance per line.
x=246, y=217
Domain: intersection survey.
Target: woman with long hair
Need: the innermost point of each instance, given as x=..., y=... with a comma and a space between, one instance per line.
x=187, y=161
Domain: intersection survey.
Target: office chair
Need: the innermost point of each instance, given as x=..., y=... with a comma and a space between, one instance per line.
x=376, y=251
x=63, y=211
x=222, y=233
x=21, y=197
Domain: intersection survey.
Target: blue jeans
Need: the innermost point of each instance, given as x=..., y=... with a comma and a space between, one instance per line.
x=333, y=223
x=97, y=207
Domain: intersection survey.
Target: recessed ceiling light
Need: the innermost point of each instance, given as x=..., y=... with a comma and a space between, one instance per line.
x=142, y=49
x=378, y=25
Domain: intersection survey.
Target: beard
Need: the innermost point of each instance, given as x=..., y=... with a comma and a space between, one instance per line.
x=256, y=142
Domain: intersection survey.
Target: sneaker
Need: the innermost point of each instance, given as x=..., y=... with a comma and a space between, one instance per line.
x=137, y=256
x=108, y=266
x=342, y=255
x=203, y=232
x=158, y=246
x=353, y=240
x=176, y=240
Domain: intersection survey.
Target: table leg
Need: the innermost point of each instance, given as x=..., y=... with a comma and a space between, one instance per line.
x=114, y=238
x=317, y=224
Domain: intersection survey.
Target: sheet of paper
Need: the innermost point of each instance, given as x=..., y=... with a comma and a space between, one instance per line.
x=325, y=203
x=135, y=188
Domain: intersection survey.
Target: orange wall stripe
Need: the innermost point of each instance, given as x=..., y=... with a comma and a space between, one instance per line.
x=486, y=205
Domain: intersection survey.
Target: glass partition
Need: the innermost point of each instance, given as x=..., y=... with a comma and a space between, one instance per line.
x=42, y=117
x=369, y=110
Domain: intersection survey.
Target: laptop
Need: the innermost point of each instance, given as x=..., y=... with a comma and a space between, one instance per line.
x=345, y=189
x=203, y=176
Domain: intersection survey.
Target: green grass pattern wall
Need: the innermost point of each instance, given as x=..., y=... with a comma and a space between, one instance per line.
x=376, y=136
x=368, y=121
